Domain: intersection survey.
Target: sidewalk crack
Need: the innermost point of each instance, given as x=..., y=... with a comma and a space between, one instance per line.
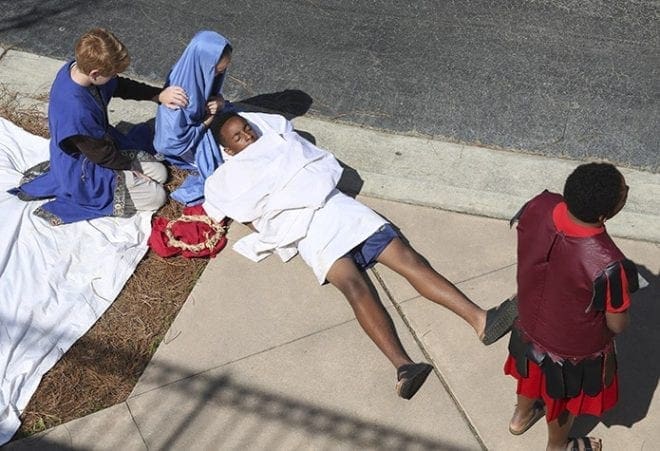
x=427, y=356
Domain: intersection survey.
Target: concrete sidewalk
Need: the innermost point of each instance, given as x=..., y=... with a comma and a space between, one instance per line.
x=261, y=357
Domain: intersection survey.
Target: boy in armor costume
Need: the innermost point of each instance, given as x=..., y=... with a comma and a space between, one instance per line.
x=573, y=298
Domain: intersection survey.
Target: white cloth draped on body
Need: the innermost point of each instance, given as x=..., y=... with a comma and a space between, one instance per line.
x=286, y=187
x=55, y=282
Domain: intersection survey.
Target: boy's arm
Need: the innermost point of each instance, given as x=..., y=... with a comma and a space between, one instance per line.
x=617, y=322
x=103, y=152
x=135, y=90
x=172, y=96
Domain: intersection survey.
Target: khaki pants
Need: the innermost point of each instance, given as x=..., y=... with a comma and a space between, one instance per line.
x=146, y=186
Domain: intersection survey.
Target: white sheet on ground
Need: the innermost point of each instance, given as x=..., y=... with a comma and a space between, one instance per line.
x=55, y=282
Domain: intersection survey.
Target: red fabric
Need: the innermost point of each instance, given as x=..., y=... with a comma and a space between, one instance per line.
x=188, y=232
x=534, y=387
x=624, y=290
x=565, y=224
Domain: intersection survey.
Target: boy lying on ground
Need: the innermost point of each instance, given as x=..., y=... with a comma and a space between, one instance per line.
x=285, y=188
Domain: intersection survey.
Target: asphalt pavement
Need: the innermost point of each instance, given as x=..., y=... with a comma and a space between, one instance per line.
x=573, y=79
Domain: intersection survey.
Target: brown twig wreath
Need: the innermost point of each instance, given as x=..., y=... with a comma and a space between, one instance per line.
x=218, y=229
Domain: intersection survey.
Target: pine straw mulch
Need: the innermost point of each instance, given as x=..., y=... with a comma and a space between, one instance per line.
x=103, y=366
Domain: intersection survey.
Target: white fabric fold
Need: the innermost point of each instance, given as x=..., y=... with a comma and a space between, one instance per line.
x=276, y=184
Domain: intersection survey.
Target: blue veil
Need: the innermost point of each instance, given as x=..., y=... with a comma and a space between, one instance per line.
x=180, y=135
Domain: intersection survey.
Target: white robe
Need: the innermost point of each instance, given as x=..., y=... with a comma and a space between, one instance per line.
x=286, y=187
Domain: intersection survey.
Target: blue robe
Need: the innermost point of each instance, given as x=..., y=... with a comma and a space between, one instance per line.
x=180, y=135
x=81, y=189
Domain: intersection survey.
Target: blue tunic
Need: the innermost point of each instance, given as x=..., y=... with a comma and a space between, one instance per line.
x=81, y=189
x=180, y=135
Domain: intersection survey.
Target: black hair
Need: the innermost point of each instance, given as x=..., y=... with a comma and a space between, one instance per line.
x=226, y=51
x=593, y=190
x=220, y=121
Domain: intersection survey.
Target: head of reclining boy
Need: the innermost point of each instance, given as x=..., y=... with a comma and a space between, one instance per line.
x=234, y=133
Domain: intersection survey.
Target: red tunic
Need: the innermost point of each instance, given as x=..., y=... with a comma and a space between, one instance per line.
x=568, y=276
x=556, y=274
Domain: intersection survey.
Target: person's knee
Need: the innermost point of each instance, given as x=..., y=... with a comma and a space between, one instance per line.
x=355, y=289
x=155, y=200
x=155, y=171
x=411, y=257
x=159, y=197
x=149, y=197
x=348, y=279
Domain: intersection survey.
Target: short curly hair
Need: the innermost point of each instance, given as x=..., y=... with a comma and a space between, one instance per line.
x=101, y=50
x=219, y=122
x=593, y=190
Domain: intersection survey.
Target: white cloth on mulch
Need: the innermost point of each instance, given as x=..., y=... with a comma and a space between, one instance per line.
x=55, y=282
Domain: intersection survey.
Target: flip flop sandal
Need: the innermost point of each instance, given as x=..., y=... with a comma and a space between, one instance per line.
x=499, y=320
x=410, y=378
x=574, y=444
x=539, y=412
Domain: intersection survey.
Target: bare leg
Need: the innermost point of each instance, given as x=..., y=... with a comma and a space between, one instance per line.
x=368, y=309
x=401, y=258
x=558, y=430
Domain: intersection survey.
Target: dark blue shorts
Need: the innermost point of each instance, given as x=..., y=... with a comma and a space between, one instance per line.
x=365, y=254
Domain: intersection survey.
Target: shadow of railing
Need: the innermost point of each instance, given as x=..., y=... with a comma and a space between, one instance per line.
x=243, y=403
x=241, y=416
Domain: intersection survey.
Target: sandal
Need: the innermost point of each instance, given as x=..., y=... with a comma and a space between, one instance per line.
x=410, y=378
x=499, y=320
x=574, y=444
x=538, y=413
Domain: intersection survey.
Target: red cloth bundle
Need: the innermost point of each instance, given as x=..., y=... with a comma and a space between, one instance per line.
x=193, y=234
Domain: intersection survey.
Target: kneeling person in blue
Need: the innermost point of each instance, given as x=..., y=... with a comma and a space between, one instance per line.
x=182, y=136
x=94, y=170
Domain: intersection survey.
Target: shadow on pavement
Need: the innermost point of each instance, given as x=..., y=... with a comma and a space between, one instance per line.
x=282, y=417
x=638, y=357
x=290, y=103
x=201, y=409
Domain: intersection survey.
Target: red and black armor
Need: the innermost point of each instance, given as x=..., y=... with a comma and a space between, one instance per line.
x=565, y=285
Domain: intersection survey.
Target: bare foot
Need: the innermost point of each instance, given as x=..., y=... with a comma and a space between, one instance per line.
x=480, y=327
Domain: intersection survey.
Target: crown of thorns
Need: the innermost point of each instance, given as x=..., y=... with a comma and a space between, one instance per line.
x=218, y=230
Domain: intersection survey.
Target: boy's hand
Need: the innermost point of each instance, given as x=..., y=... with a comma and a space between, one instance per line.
x=173, y=97
x=215, y=104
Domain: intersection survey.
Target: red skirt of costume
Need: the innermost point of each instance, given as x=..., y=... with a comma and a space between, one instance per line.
x=534, y=386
